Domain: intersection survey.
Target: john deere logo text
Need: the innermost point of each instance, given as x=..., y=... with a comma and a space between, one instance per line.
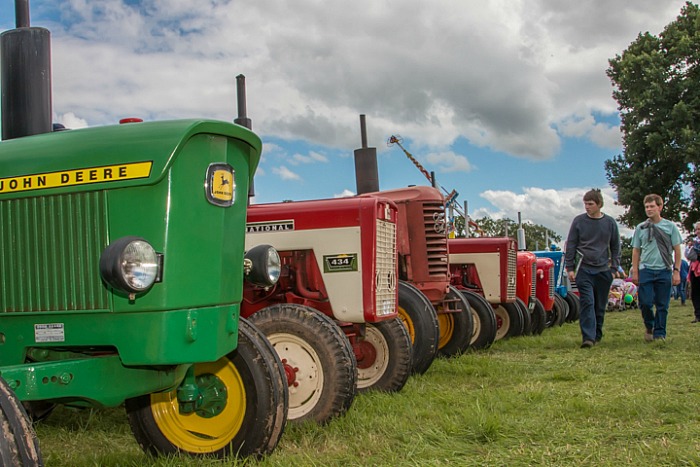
x=107, y=173
x=220, y=184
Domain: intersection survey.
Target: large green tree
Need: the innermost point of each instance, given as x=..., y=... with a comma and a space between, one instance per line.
x=538, y=237
x=657, y=86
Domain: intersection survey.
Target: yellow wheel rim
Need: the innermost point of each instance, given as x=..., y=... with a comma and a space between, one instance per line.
x=447, y=328
x=406, y=320
x=197, y=434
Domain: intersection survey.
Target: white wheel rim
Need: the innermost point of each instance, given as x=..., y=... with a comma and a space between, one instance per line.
x=300, y=356
x=367, y=377
x=505, y=322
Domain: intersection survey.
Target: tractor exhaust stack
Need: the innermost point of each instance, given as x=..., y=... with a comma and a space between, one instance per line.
x=25, y=55
x=366, y=175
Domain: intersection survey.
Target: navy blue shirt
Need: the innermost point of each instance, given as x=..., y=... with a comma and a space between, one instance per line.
x=597, y=239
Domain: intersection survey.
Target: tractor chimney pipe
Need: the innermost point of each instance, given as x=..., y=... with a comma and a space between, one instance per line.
x=366, y=176
x=22, y=13
x=363, y=131
x=25, y=77
x=243, y=120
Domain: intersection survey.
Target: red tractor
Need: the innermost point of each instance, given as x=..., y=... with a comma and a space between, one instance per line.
x=432, y=310
x=486, y=267
x=332, y=316
x=437, y=315
x=545, y=292
x=526, y=289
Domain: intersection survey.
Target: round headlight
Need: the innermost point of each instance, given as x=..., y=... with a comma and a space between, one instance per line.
x=130, y=264
x=262, y=265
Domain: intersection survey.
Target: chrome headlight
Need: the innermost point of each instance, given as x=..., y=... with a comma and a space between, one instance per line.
x=262, y=265
x=130, y=265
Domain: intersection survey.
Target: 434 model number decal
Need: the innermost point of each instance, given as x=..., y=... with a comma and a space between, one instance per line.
x=340, y=263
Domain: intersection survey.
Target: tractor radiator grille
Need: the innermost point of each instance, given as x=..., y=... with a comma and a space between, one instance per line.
x=533, y=289
x=552, y=285
x=435, y=238
x=386, y=268
x=512, y=275
x=50, y=253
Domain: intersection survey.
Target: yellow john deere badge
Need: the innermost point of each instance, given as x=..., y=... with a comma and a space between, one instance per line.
x=220, y=185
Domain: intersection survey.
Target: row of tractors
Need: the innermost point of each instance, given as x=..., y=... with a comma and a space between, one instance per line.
x=133, y=271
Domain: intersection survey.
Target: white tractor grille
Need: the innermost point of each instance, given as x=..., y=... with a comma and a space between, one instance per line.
x=533, y=290
x=386, y=268
x=551, y=283
x=512, y=274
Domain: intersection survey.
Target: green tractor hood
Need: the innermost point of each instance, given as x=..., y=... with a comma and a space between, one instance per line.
x=115, y=156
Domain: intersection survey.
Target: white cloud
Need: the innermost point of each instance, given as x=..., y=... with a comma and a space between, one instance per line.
x=344, y=194
x=285, y=174
x=448, y=161
x=554, y=209
x=307, y=159
x=69, y=120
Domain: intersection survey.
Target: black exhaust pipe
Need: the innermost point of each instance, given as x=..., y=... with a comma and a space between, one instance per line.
x=243, y=120
x=25, y=55
x=366, y=175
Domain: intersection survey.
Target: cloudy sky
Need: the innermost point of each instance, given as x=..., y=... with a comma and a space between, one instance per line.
x=506, y=101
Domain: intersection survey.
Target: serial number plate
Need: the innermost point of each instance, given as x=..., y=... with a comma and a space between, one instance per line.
x=53, y=332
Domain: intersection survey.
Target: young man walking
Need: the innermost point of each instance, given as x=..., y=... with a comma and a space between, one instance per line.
x=656, y=261
x=592, y=255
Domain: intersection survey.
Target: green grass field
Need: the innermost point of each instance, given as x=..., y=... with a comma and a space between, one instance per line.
x=526, y=401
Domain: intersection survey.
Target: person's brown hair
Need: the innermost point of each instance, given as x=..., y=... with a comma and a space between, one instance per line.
x=594, y=195
x=654, y=198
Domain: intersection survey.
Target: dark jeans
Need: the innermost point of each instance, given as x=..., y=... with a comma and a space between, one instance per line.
x=679, y=291
x=593, y=289
x=695, y=293
x=655, y=291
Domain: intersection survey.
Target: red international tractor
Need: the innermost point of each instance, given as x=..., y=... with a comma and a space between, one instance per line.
x=486, y=267
x=332, y=316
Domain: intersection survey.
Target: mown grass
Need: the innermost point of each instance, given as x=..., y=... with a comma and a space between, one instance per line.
x=526, y=401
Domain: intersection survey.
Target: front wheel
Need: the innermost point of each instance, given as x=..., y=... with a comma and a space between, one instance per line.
x=456, y=327
x=383, y=357
x=18, y=442
x=484, y=318
x=243, y=407
x=562, y=309
x=540, y=316
x=511, y=322
x=317, y=357
x=421, y=321
x=574, y=306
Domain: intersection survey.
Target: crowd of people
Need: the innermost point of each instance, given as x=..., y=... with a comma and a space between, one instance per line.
x=661, y=268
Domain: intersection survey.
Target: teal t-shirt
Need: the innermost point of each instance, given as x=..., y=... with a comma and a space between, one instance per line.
x=645, y=241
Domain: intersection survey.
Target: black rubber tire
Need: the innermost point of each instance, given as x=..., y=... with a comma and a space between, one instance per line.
x=574, y=306
x=527, y=320
x=511, y=321
x=421, y=321
x=317, y=357
x=18, y=442
x=484, y=319
x=256, y=429
x=562, y=309
x=388, y=367
x=539, y=316
x=456, y=329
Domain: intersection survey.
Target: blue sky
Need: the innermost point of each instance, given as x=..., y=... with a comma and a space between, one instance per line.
x=507, y=101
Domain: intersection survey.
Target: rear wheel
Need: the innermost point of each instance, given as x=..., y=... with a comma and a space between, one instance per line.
x=484, y=318
x=421, y=321
x=456, y=328
x=18, y=443
x=383, y=357
x=562, y=309
x=243, y=407
x=574, y=306
x=510, y=320
x=317, y=357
